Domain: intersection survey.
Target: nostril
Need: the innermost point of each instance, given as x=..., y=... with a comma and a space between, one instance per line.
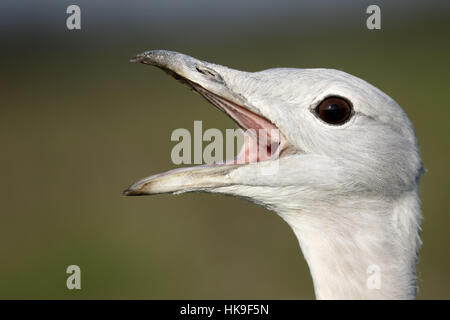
x=210, y=73
x=205, y=71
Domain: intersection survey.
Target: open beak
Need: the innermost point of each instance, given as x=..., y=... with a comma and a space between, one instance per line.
x=215, y=83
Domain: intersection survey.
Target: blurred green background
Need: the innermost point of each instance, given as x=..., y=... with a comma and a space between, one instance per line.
x=78, y=124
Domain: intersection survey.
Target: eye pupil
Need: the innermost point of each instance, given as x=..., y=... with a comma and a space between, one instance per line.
x=334, y=110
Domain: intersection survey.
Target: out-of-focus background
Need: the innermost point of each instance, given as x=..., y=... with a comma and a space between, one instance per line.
x=79, y=123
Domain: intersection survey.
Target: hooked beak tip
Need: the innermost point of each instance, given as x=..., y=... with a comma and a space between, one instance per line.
x=143, y=57
x=130, y=192
x=137, y=58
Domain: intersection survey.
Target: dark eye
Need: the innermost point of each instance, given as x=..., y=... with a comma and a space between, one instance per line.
x=334, y=110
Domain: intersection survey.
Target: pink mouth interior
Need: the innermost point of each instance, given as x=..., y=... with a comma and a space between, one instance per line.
x=262, y=139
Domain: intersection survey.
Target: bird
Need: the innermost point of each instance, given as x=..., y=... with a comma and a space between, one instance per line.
x=343, y=171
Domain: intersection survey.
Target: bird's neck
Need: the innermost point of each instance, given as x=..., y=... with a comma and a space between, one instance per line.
x=364, y=250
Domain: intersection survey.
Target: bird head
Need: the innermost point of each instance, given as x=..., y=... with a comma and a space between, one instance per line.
x=337, y=136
